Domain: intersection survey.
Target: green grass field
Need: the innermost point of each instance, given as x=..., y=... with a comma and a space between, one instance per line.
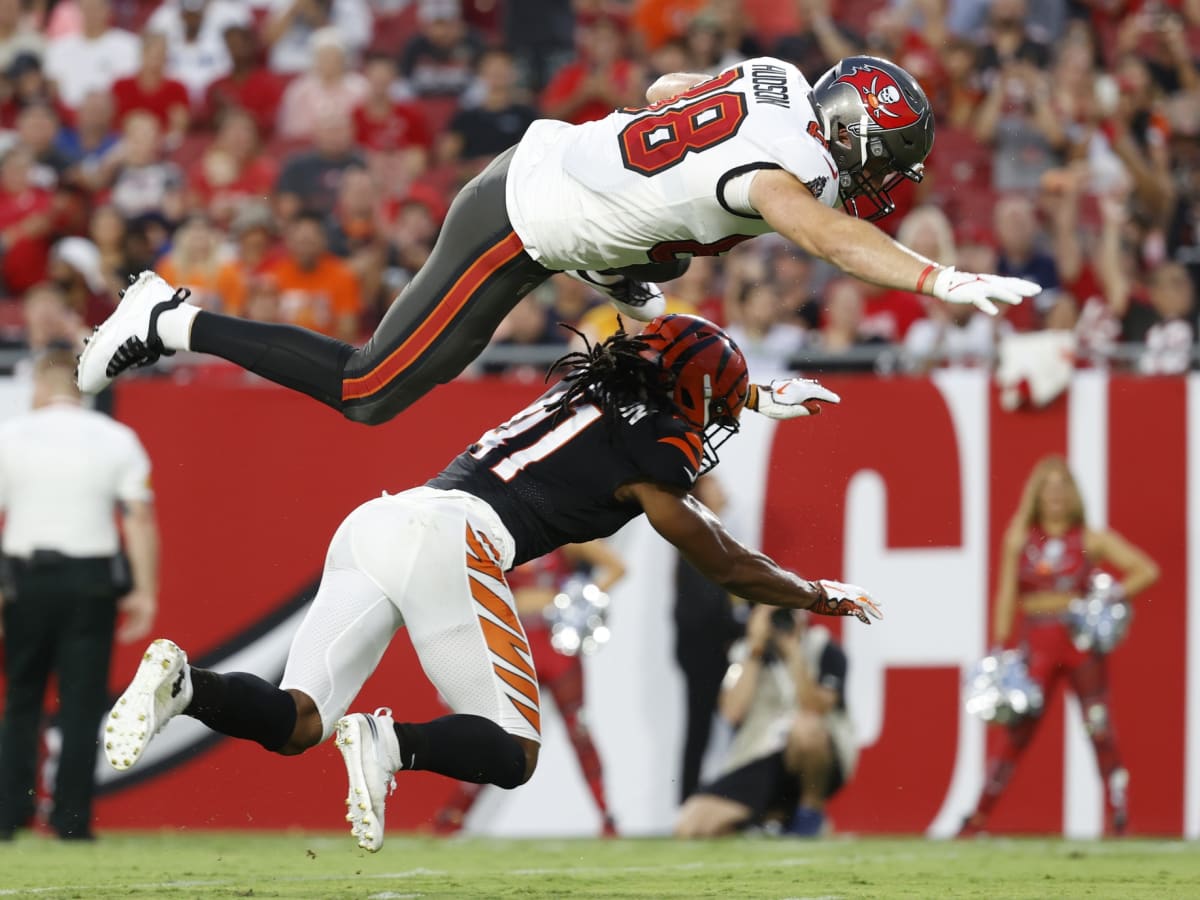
x=201, y=865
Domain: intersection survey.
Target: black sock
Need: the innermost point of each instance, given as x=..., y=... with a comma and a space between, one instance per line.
x=469, y=748
x=242, y=706
x=294, y=357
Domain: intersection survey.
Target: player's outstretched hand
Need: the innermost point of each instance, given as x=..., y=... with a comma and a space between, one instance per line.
x=787, y=398
x=840, y=599
x=982, y=291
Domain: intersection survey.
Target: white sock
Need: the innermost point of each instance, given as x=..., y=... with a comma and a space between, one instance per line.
x=175, y=326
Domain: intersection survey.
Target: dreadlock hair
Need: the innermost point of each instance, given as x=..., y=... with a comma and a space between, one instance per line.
x=614, y=373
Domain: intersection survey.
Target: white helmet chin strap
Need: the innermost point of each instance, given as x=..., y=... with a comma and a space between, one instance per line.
x=864, y=123
x=707, y=398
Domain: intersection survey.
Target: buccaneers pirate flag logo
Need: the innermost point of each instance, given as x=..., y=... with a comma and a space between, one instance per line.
x=882, y=97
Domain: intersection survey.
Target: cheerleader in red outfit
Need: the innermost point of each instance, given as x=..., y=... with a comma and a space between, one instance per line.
x=1049, y=554
x=534, y=585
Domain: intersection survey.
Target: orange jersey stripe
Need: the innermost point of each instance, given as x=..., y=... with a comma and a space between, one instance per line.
x=493, y=603
x=691, y=451
x=524, y=685
x=479, y=559
x=507, y=647
x=531, y=715
x=500, y=253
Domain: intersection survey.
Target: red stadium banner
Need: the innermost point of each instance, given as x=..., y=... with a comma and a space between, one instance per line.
x=906, y=488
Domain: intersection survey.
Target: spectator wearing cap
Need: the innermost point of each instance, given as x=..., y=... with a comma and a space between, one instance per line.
x=291, y=23
x=26, y=220
x=329, y=87
x=310, y=178
x=17, y=38
x=475, y=135
x=94, y=58
x=439, y=60
x=76, y=267
x=232, y=170
x=255, y=250
x=601, y=79
x=316, y=289
x=195, y=30
x=150, y=90
x=92, y=136
x=249, y=85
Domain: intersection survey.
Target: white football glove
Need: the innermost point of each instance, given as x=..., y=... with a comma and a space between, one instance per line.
x=787, y=398
x=840, y=599
x=954, y=286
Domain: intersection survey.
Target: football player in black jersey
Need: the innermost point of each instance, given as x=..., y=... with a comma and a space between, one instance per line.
x=628, y=429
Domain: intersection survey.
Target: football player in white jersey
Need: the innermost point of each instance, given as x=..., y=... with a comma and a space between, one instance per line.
x=623, y=203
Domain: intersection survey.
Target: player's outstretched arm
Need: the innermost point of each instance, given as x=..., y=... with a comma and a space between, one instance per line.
x=698, y=534
x=861, y=249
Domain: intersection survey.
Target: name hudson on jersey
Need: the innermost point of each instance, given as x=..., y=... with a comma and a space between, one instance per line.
x=770, y=85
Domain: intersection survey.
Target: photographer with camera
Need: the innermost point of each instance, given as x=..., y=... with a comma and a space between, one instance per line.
x=794, y=744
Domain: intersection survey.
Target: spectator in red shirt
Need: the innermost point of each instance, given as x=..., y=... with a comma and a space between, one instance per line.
x=599, y=81
x=25, y=222
x=151, y=90
x=232, y=169
x=385, y=125
x=249, y=86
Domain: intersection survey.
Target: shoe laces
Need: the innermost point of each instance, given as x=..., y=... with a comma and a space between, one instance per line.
x=633, y=293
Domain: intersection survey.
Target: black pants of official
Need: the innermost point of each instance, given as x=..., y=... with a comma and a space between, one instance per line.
x=57, y=620
x=704, y=630
x=477, y=272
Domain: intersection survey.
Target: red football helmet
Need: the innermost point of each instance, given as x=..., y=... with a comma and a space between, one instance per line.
x=705, y=373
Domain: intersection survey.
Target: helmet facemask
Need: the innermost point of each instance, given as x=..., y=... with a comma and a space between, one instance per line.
x=874, y=179
x=721, y=423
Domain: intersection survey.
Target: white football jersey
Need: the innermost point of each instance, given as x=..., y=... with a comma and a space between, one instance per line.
x=669, y=180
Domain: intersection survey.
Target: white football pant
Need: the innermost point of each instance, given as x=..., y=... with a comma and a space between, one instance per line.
x=432, y=561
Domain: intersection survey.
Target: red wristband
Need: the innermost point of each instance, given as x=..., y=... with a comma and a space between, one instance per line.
x=925, y=273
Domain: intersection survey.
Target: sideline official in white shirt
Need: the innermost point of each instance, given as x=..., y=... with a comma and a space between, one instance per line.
x=65, y=472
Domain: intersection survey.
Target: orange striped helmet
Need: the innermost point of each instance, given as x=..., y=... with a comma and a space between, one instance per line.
x=705, y=374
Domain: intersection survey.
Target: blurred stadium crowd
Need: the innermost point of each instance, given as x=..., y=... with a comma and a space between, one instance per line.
x=291, y=160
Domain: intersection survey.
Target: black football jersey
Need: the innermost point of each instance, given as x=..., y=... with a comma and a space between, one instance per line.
x=552, y=476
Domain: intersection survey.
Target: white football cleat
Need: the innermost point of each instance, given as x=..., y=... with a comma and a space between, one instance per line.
x=129, y=337
x=161, y=689
x=641, y=300
x=371, y=752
